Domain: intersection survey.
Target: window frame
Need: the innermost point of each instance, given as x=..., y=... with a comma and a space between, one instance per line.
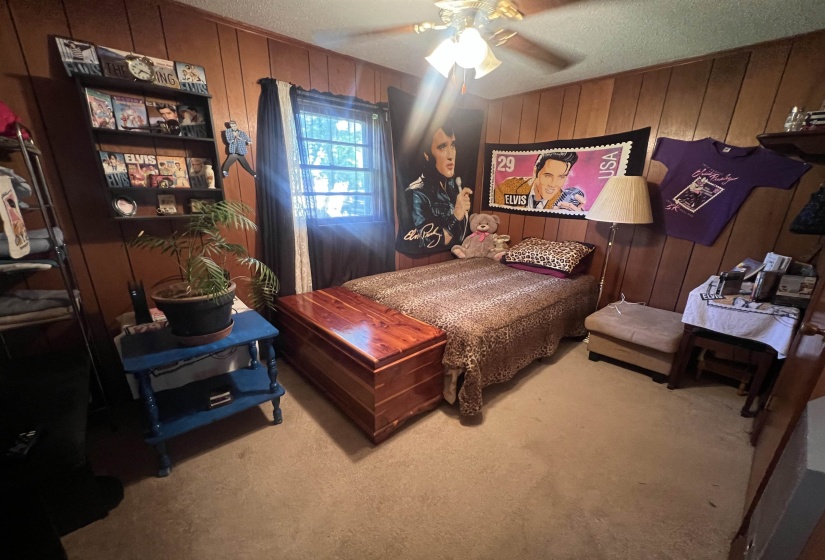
x=334, y=109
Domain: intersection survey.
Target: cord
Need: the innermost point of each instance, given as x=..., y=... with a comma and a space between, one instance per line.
x=625, y=302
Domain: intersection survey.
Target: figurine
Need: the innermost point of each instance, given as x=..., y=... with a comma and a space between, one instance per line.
x=237, y=141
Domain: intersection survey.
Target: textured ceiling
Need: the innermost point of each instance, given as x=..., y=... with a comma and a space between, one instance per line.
x=609, y=36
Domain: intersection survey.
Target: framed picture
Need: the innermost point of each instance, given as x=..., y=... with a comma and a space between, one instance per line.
x=199, y=205
x=167, y=204
x=124, y=206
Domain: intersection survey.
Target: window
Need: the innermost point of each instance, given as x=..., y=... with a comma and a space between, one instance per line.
x=338, y=159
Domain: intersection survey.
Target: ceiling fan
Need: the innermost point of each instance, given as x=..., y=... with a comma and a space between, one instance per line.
x=474, y=29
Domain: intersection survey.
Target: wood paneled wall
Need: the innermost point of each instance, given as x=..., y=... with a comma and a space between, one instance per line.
x=34, y=84
x=731, y=97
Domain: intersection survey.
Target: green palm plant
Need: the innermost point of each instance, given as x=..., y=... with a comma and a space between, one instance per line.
x=201, y=252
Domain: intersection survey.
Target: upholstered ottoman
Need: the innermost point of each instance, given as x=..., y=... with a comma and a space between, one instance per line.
x=636, y=334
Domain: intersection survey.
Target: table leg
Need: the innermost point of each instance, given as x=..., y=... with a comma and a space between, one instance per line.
x=762, y=368
x=150, y=404
x=164, y=461
x=680, y=363
x=272, y=370
x=253, y=354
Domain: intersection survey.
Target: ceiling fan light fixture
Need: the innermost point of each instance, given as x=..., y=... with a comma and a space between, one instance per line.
x=444, y=57
x=487, y=65
x=472, y=48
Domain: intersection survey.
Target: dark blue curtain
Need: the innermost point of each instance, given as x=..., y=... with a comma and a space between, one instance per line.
x=274, y=199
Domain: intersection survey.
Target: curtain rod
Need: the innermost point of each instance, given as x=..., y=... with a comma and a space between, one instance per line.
x=347, y=100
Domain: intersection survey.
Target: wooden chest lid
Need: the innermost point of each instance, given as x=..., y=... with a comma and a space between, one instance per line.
x=364, y=329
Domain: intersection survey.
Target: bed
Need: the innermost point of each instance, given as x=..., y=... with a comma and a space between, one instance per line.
x=497, y=319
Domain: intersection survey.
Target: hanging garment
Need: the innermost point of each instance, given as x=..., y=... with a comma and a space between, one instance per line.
x=707, y=181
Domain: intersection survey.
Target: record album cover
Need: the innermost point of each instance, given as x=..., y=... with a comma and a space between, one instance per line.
x=175, y=167
x=130, y=113
x=140, y=168
x=115, y=64
x=114, y=168
x=79, y=57
x=192, y=121
x=101, y=113
x=160, y=110
x=197, y=172
x=192, y=77
x=165, y=73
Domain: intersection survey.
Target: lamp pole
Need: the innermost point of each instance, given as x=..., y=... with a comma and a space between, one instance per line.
x=613, y=227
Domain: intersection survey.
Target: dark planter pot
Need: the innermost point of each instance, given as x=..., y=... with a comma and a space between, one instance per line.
x=196, y=320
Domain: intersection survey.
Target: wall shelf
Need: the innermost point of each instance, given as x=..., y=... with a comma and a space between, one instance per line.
x=807, y=145
x=177, y=148
x=145, y=88
x=128, y=135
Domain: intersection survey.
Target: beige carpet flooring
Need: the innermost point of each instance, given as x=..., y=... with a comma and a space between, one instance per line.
x=573, y=460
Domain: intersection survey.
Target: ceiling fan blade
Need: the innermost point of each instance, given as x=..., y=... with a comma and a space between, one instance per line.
x=533, y=7
x=526, y=47
x=336, y=37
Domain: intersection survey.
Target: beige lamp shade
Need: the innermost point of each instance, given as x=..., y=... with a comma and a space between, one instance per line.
x=623, y=200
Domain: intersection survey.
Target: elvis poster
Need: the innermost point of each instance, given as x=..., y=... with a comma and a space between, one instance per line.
x=562, y=178
x=436, y=150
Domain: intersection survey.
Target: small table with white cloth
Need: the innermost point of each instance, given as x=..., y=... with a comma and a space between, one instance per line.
x=756, y=333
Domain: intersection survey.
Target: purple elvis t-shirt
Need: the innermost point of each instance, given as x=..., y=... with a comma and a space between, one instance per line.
x=707, y=181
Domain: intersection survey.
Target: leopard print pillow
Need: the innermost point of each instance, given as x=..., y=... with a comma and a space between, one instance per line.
x=555, y=255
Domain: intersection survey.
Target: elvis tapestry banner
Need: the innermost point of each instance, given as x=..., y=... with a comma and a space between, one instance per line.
x=561, y=178
x=436, y=156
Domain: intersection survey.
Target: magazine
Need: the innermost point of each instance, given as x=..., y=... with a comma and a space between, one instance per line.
x=140, y=167
x=114, y=168
x=197, y=172
x=100, y=109
x=130, y=113
x=79, y=57
x=192, y=121
x=192, y=77
x=174, y=167
x=160, y=110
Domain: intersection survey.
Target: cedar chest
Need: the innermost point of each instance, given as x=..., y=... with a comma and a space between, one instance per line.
x=378, y=365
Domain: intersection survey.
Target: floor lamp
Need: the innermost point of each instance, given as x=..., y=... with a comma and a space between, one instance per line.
x=623, y=200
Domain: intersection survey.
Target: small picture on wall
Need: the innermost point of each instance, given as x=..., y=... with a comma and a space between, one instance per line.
x=100, y=109
x=114, y=169
x=79, y=57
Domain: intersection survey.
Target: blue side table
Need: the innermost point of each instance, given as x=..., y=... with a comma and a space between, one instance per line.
x=176, y=411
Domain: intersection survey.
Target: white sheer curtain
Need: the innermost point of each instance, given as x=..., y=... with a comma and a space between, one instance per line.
x=303, y=272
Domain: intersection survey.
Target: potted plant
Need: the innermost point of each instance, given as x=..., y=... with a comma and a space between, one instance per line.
x=199, y=305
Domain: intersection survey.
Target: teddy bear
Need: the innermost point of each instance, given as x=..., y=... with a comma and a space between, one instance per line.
x=482, y=242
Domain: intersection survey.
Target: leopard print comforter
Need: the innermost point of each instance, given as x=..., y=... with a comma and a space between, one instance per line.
x=497, y=319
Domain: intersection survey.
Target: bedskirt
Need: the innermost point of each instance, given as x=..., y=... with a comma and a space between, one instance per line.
x=497, y=319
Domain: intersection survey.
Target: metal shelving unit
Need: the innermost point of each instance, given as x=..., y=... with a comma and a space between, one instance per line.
x=45, y=205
